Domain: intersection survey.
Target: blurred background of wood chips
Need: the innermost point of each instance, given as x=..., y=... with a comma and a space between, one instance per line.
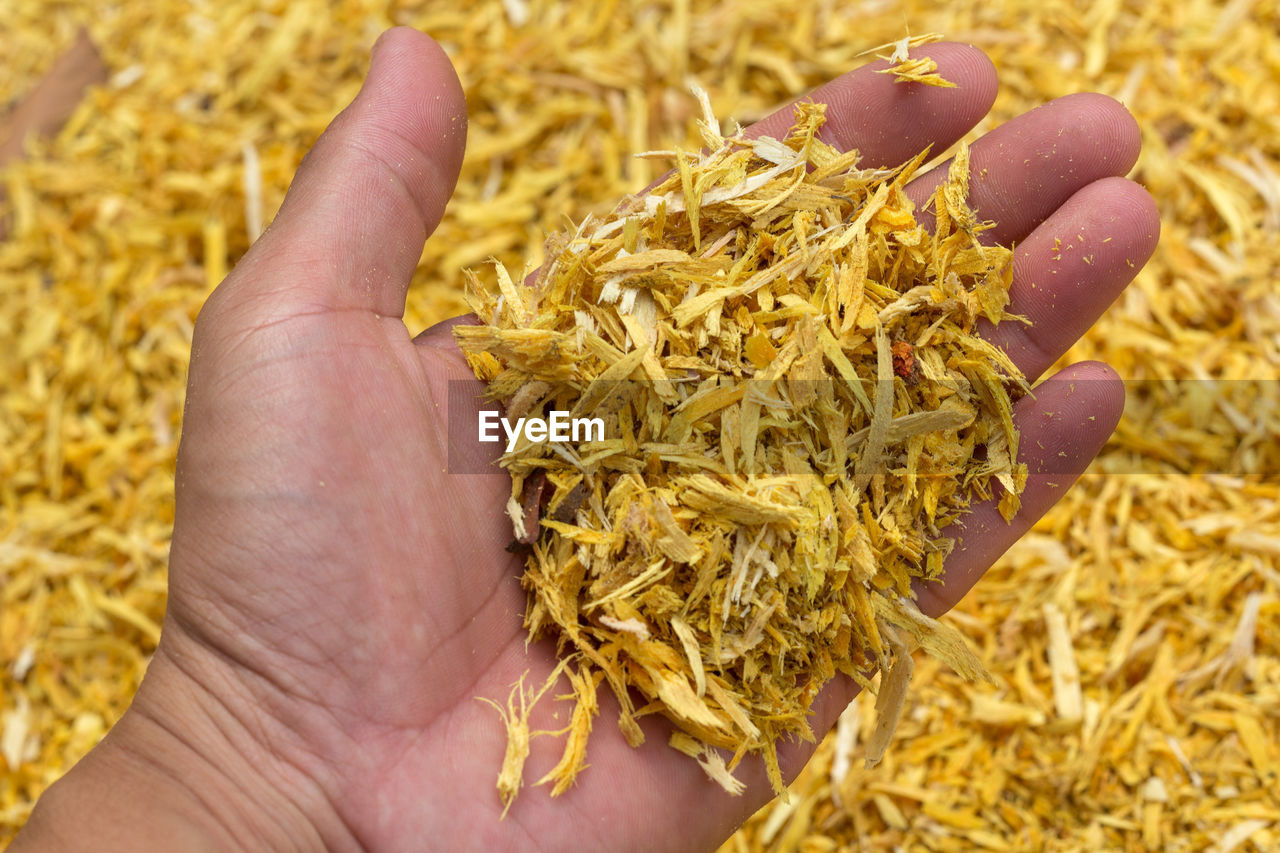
x=1134, y=635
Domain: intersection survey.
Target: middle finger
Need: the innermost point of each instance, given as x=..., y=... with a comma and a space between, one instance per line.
x=1022, y=171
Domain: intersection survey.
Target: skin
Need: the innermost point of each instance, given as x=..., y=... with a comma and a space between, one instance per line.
x=337, y=601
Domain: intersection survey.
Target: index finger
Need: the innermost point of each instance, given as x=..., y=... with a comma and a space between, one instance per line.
x=890, y=122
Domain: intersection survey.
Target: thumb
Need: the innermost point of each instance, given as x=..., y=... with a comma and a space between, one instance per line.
x=367, y=196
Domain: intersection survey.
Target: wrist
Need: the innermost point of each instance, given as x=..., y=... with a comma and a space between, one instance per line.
x=182, y=770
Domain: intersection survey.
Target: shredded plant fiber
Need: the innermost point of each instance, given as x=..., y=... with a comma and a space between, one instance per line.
x=782, y=349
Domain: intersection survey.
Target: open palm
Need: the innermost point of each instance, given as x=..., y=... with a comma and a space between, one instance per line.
x=338, y=599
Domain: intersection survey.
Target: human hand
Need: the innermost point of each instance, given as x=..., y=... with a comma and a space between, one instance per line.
x=338, y=600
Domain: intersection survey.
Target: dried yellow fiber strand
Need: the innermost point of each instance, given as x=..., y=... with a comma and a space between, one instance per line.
x=906, y=69
x=515, y=717
x=785, y=361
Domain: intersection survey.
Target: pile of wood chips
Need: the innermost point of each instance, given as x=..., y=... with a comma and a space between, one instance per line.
x=1134, y=636
x=771, y=472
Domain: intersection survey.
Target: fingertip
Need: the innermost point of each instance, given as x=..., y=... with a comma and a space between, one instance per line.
x=890, y=121
x=1073, y=414
x=1107, y=119
x=1132, y=201
x=1074, y=265
x=1134, y=210
x=1106, y=400
x=970, y=68
x=416, y=91
x=1062, y=426
x=372, y=189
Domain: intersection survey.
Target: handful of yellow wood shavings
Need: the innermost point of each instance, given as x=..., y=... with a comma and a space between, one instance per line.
x=795, y=405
